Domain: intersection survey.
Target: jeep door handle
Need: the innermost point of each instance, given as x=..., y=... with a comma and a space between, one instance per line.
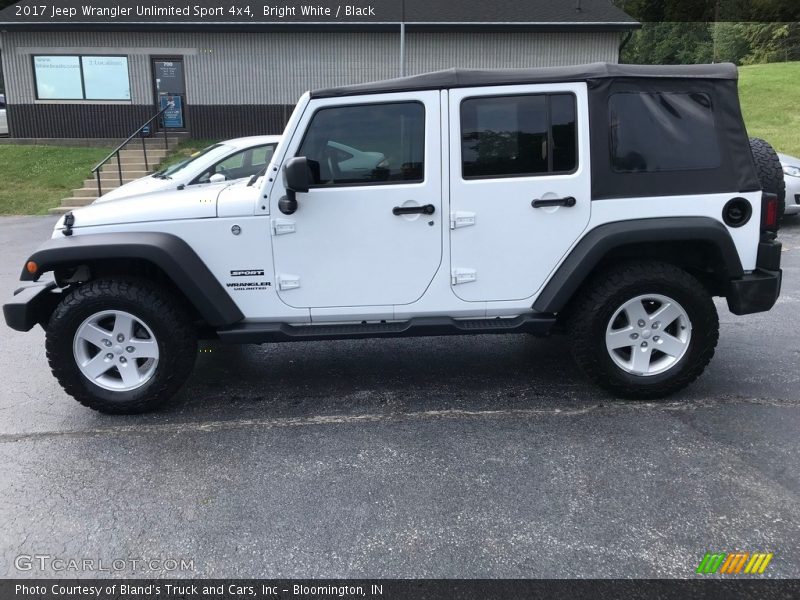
x=568, y=201
x=427, y=209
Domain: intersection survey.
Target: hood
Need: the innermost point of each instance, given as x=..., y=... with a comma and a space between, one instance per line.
x=143, y=185
x=158, y=206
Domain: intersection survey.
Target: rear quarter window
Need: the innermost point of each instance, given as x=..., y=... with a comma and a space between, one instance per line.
x=652, y=132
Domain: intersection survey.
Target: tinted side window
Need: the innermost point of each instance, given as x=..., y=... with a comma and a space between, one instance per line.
x=652, y=132
x=374, y=143
x=515, y=136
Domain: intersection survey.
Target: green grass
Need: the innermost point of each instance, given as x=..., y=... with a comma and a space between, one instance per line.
x=770, y=96
x=35, y=178
x=184, y=150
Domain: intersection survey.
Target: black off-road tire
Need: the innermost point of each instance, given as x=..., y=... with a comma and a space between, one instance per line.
x=174, y=332
x=769, y=171
x=591, y=311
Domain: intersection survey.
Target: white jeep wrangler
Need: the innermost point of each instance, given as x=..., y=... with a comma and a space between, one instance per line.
x=607, y=202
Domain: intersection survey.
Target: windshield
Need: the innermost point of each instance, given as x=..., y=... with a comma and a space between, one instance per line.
x=210, y=152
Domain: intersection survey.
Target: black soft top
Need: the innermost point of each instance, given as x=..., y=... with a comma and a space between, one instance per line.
x=457, y=78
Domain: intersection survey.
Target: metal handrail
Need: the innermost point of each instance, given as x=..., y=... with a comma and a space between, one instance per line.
x=117, y=150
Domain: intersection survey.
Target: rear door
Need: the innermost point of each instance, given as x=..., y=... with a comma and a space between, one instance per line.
x=519, y=186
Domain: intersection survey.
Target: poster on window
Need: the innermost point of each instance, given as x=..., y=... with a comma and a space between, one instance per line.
x=173, y=116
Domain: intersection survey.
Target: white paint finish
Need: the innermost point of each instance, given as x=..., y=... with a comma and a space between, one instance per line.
x=708, y=205
x=349, y=249
x=512, y=245
x=158, y=208
x=239, y=199
x=223, y=252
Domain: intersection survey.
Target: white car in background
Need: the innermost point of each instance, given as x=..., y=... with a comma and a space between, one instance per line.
x=791, y=175
x=215, y=166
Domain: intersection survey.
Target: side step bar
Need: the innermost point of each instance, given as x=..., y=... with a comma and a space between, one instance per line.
x=258, y=333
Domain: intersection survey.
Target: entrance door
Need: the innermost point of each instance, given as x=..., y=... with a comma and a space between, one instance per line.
x=369, y=231
x=519, y=186
x=169, y=85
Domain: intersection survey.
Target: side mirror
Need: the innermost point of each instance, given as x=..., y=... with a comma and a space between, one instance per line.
x=296, y=178
x=297, y=175
x=217, y=178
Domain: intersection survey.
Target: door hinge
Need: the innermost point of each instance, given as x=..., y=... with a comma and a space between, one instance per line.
x=461, y=218
x=288, y=282
x=458, y=276
x=283, y=226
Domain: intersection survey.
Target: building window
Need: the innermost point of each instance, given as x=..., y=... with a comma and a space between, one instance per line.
x=653, y=132
x=61, y=77
x=366, y=144
x=518, y=136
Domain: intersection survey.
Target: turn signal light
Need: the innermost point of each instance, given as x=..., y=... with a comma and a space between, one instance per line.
x=31, y=267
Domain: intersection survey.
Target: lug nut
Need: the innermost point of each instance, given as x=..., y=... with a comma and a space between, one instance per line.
x=644, y=344
x=130, y=349
x=123, y=360
x=107, y=342
x=634, y=336
x=656, y=338
x=641, y=323
x=656, y=325
x=109, y=356
x=120, y=338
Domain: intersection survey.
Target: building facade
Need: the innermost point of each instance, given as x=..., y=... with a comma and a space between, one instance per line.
x=100, y=80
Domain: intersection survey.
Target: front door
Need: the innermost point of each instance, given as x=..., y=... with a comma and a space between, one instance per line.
x=169, y=85
x=519, y=186
x=368, y=232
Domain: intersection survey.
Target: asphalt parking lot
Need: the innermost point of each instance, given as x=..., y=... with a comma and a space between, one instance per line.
x=436, y=457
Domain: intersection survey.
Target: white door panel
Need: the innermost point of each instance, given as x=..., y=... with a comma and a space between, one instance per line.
x=344, y=247
x=506, y=245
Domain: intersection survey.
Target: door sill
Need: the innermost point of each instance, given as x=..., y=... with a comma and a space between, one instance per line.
x=258, y=333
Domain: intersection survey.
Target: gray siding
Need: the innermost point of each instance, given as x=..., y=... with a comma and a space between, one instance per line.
x=275, y=68
x=244, y=83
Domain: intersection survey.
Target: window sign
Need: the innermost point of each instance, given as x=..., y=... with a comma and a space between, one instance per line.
x=82, y=77
x=173, y=116
x=106, y=78
x=169, y=76
x=58, y=77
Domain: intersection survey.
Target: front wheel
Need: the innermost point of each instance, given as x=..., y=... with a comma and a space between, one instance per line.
x=120, y=346
x=643, y=330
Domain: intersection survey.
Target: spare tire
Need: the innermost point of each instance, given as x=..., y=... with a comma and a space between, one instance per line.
x=769, y=171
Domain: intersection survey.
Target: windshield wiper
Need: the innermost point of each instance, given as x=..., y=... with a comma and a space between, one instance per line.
x=255, y=176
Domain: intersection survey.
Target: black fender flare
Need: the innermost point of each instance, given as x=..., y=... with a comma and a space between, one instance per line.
x=168, y=252
x=598, y=242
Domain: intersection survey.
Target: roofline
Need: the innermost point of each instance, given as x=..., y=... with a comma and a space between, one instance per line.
x=221, y=26
x=461, y=78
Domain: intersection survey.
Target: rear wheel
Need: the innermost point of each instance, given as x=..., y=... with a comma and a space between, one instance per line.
x=120, y=347
x=643, y=330
x=769, y=171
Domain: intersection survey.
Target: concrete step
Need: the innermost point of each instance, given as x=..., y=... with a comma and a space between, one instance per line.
x=126, y=174
x=87, y=192
x=77, y=201
x=138, y=155
x=128, y=166
x=60, y=210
